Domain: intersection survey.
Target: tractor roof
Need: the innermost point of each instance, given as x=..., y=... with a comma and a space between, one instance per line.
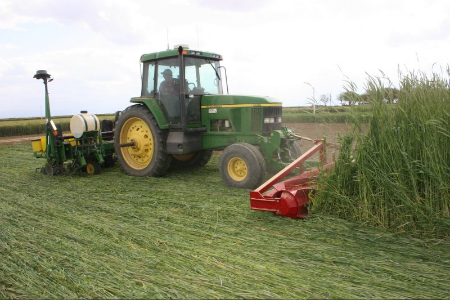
x=174, y=53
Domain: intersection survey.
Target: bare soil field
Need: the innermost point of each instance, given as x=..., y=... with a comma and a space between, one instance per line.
x=11, y=140
x=317, y=131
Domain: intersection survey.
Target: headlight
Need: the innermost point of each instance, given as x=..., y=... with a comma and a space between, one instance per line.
x=272, y=120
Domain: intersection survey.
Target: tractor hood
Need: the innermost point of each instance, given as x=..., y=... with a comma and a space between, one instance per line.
x=238, y=101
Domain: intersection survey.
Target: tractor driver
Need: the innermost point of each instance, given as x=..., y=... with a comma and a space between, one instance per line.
x=168, y=86
x=169, y=91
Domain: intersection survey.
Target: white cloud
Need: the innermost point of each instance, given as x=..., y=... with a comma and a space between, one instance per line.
x=271, y=47
x=232, y=5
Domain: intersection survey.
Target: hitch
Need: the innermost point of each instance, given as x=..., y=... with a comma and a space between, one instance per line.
x=289, y=197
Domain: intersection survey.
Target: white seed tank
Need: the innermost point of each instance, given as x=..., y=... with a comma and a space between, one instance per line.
x=82, y=123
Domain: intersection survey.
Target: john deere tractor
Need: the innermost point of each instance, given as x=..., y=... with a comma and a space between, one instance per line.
x=182, y=115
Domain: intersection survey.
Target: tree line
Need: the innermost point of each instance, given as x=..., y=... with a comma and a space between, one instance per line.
x=353, y=98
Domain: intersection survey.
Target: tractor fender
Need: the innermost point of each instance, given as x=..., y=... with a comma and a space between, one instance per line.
x=155, y=109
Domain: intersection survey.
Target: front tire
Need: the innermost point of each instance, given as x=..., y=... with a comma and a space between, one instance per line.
x=147, y=155
x=241, y=165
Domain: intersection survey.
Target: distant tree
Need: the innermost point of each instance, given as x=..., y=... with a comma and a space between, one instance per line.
x=349, y=98
x=325, y=99
x=388, y=94
x=365, y=97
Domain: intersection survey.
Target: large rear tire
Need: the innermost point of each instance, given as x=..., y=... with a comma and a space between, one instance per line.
x=146, y=156
x=192, y=160
x=241, y=165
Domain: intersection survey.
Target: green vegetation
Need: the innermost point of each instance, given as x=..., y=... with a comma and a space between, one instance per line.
x=327, y=114
x=396, y=175
x=390, y=94
x=187, y=235
x=27, y=126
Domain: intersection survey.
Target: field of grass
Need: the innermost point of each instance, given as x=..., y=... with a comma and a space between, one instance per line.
x=187, y=235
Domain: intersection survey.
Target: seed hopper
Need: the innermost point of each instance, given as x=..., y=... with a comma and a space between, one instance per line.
x=288, y=197
x=87, y=149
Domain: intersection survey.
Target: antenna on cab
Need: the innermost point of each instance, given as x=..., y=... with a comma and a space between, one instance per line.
x=168, y=48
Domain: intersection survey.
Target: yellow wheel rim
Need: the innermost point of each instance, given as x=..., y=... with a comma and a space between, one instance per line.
x=237, y=169
x=90, y=169
x=140, y=154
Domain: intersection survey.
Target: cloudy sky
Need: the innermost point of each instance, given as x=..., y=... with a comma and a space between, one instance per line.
x=286, y=49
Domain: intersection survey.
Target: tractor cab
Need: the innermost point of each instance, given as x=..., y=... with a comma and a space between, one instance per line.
x=177, y=82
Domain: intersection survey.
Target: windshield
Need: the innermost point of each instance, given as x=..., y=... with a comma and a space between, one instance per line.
x=161, y=80
x=203, y=76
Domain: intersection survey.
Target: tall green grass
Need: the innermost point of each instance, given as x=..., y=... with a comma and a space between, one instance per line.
x=398, y=174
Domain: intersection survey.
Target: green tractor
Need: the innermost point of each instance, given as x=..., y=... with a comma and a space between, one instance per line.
x=182, y=115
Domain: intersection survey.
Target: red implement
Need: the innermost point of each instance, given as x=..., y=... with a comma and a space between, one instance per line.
x=289, y=197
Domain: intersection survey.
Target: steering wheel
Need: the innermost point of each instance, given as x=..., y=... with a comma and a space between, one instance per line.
x=189, y=86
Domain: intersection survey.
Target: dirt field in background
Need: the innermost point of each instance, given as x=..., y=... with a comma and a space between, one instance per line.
x=11, y=140
x=309, y=130
x=318, y=131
